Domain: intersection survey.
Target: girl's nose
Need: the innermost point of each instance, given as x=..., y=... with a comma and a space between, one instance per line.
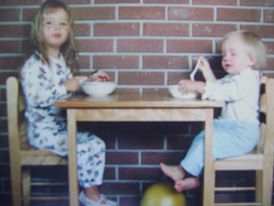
x=57, y=26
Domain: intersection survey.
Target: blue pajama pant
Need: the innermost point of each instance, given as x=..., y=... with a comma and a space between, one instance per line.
x=230, y=139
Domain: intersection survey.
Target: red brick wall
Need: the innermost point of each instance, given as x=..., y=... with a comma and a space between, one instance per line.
x=142, y=44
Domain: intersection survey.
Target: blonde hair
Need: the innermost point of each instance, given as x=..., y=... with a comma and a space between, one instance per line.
x=254, y=44
x=68, y=49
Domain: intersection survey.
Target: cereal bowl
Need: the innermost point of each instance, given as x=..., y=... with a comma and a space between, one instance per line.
x=98, y=89
x=174, y=91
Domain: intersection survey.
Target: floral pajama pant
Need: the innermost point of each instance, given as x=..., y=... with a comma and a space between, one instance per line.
x=90, y=149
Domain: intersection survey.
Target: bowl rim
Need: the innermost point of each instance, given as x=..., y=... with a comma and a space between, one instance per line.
x=188, y=96
x=88, y=84
x=176, y=94
x=97, y=89
x=172, y=86
x=98, y=83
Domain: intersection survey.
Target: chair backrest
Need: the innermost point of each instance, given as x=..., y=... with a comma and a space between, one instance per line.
x=16, y=120
x=13, y=109
x=265, y=145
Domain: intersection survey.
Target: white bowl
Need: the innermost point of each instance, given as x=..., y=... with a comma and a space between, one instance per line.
x=98, y=89
x=173, y=90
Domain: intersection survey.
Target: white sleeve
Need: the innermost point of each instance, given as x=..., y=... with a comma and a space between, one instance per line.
x=231, y=88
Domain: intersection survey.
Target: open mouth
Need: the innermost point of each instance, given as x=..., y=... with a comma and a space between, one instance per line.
x=57, y=35
x=227, y=65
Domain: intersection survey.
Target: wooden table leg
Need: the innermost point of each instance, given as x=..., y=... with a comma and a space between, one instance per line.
x=73, y=180
x=209, y=175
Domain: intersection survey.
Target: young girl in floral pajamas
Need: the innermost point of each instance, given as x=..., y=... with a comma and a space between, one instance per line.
x=46, y=77
x=236, y=131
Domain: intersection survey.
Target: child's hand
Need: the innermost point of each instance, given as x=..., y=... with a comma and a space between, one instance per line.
x=80, y=79
x=72, y=84
x=187, y=86
x=99, y=77
x=205, y=68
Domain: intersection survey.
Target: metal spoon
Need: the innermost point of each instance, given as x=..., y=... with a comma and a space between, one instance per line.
x=195, y=70
x=94, y=71
x=85, y=78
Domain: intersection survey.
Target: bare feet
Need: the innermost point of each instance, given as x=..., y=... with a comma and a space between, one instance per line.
x=176, y=173
x=187, y=183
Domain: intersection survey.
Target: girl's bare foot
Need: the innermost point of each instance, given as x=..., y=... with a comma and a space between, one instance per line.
x=174, y=172
x=187, y=184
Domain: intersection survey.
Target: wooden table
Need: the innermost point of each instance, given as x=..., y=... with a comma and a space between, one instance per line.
x=135, y=107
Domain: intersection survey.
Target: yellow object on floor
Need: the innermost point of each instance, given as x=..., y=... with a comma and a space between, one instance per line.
x=162, y=194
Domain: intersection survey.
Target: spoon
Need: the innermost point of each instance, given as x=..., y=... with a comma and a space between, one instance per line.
x=94, y=71
x=195, y=70
x=85, y=78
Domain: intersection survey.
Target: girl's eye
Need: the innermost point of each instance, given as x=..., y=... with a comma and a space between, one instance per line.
x=48, y=23
x=64, y=23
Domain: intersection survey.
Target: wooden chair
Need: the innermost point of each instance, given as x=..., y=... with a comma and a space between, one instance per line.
x=259, y=160
x=20, y=153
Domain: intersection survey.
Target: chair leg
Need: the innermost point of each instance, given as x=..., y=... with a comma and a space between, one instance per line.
x=267, y=185
x=259, y=186
x=26, y=187
x=16, y=183
x=214, y=185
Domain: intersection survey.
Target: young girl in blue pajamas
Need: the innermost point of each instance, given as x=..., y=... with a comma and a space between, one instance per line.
x=46, y=77
x=236, y=131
